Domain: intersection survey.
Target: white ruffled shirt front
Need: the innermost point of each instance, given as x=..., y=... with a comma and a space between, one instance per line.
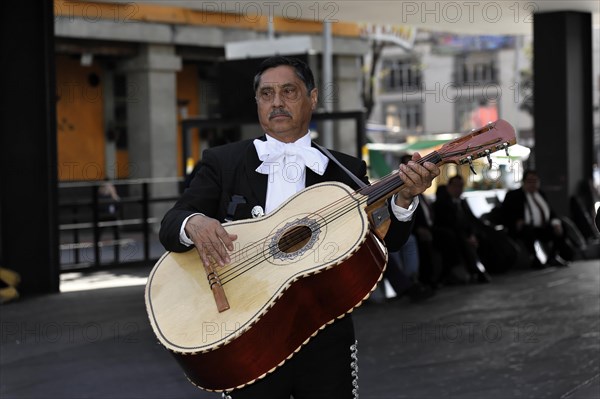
x=285, y=164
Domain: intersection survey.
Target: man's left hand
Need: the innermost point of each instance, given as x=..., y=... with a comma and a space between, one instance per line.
x=417, y=178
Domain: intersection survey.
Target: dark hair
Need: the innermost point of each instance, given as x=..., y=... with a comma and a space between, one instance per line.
x=455, y=177
x=529, y=172
x=302, y=70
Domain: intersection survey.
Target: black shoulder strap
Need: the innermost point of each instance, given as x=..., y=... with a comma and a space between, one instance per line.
x=356, y=180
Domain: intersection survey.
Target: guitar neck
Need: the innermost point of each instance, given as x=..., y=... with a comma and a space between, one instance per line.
x=386, y=187
x=479, y=143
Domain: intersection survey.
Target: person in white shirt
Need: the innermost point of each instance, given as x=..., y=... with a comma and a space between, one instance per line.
x=251, y=178
x=527, y=215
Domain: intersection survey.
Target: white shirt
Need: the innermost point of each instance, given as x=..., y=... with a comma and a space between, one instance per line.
x=285, y=164
x=537, y=211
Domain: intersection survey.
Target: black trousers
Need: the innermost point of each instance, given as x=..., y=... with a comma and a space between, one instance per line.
x=546, y=235
x=322, y=369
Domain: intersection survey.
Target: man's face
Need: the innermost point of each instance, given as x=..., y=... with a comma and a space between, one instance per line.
x=283, y=104
x=455, y=188
x=531, y=183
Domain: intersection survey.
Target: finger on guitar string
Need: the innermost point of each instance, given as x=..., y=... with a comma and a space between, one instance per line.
x=413, y=175
x=221, y=244
x=417, y=178
x=432, y=170
x=426, y=171
x=209, y=254
x=415, y=157
x=214, y=249
x=226, y=238
x=205, y=257
x=210, y=239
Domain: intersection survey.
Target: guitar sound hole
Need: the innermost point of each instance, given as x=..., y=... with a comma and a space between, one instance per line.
x=294, y=239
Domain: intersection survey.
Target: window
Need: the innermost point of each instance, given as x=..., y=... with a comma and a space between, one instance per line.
x=476, y=68
x=400, y=74
x=406, y=116
x=122, y=94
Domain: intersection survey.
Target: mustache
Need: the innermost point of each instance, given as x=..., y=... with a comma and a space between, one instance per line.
x=278, y=112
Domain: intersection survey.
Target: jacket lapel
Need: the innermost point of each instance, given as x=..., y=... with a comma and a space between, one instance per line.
x=257, y=181
x=314, y=178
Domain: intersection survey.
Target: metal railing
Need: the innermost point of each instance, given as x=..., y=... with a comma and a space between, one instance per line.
x=84, y=218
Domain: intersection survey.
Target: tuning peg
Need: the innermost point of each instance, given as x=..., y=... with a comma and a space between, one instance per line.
x=470, y=160
x=506, y=149
x=489, y=157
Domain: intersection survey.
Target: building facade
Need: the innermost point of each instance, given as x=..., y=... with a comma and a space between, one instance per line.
x=128, y=73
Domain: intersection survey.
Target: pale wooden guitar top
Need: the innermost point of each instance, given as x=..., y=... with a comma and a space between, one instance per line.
x=185, y=317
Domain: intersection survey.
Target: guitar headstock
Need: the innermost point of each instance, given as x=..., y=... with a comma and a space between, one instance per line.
x=479, y=143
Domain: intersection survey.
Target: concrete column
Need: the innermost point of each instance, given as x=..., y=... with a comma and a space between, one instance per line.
x=152, y=117
x=439, y=94
x=28, y=169
x=345, y=95
x=327, y=84
x=563, y=103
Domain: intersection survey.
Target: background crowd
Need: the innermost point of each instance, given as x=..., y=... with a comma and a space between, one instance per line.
x=449, y=245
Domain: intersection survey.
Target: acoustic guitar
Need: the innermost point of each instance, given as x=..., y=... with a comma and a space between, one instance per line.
x=292, y=272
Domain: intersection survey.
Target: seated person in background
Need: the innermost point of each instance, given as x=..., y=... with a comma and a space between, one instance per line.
x=453, y=213
x=402, y=272
x=436, y=247
x=528, y=217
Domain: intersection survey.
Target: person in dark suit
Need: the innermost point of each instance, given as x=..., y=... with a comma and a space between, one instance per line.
x=528, y=217
x=438, y=247
x=253, y=177
x=453, y=213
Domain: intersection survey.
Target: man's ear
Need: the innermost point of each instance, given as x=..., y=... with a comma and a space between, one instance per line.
x=314, y=98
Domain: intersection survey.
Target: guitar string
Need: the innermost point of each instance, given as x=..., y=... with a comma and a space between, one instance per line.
x=383, y=188
x=244, y=267
x=337, y=205
x=296, y=238
x=258, y=258
x=386, y=184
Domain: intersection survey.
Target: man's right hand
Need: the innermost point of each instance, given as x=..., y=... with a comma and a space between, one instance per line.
x=210, y=238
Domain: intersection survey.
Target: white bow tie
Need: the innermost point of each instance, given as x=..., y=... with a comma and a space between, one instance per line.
x=274, y=154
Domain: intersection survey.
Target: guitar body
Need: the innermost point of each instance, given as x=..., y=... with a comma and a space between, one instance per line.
x=294, y=271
